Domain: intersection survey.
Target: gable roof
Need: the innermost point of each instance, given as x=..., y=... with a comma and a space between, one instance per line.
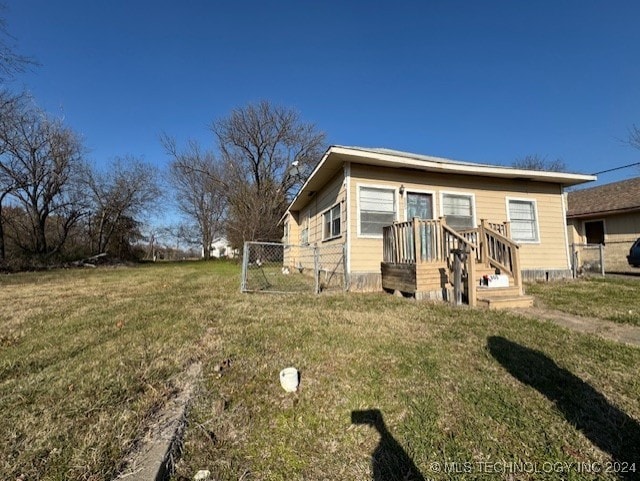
x=337, y=155
x=614, y=198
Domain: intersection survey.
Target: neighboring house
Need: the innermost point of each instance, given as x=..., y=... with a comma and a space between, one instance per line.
x=607, y=214
x=219, y=248
x=353, y=193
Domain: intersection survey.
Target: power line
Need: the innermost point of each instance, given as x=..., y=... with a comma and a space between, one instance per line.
x=616, y=168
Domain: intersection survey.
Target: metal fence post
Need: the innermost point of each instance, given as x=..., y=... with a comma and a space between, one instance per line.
x=245, y=265
x=316, y=270
x=345, y=287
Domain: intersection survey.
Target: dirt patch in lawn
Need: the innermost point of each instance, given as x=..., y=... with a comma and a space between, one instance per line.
x=624, y=333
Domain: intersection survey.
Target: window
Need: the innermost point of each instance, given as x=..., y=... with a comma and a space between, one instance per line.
x=331, y=222
x=377, y=208
x=524, y=222
x=287, y=232
x=419, y=205
x=594, y=232
x=458, y=210
x=304, y=232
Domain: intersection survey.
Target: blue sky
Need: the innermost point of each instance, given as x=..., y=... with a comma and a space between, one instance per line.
x=476, y=81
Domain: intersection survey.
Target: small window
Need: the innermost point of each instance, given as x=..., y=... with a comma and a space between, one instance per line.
x=377, y=210
x=594, y=232
x=524, y=224
x=331, y=222
x=304, y=232
x=458, y=210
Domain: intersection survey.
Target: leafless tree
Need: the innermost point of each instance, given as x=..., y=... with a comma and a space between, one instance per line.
x=267, y=152
x=634, y=136
x=11, y=62
x=535, y=162
x=201, y=190
x=118, y=197
x=39, y=159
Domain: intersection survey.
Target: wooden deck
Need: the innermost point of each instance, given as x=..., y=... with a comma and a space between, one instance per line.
x=420, y=259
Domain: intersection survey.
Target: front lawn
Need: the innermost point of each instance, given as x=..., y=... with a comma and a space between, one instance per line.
x=611, y=298
x=388, y=386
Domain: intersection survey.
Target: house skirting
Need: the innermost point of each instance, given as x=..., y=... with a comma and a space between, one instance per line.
x=529, y=275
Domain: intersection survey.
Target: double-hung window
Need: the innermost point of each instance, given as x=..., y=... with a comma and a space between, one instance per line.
x=524, y=221
x=377, y=208
x=304, y=232
x=458, y=210
x=331, y=222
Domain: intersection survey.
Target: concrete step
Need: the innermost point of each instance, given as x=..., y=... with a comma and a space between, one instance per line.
x=505, y=302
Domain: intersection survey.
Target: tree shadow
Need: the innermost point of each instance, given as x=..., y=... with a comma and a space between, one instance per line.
x=584, y=407
x=389, y=461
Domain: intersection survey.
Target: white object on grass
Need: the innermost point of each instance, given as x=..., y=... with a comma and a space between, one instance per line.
x=289, y=379
x=202, y=475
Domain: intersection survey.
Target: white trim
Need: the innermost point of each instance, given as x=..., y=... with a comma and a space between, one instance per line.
x=535, y=212
x=322, y=223
x=347, y=182
x=420, y=191
x=441, y=164
x=566, y=232
x=396, y=205
x=460, y=193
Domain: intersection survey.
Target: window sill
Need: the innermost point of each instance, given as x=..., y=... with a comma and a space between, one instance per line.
x=328, y=239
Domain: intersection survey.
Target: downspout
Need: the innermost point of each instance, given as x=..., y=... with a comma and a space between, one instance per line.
x=566, y=234
x=347, y=212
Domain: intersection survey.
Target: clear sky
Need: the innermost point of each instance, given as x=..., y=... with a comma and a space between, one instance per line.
x=470, y=80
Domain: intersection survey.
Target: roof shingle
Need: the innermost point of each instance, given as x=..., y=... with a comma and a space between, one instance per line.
x=623, y=196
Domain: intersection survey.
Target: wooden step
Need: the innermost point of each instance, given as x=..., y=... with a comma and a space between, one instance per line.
x=505, y=302
x=494, y=292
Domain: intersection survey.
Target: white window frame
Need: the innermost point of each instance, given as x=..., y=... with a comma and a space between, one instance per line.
x=474, y=220
x=329, y=211
x=304, y=228
x=535, y=212
x=381, y=187
x=419, y=191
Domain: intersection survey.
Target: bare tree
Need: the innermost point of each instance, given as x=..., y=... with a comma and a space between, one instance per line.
x=535, y=162
x=11, y=62
x=634, y=136
x=39, y=159
x=118, y=196
x=201, y=191
x=259, y=144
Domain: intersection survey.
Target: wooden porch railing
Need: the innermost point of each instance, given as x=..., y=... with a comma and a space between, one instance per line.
x=500, y=252
x=424, y=240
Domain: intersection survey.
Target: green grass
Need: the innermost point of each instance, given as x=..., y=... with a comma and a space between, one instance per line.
x=611, y=298
x=87, y=357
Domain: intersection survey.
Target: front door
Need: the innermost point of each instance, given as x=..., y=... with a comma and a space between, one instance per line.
x=419, y=205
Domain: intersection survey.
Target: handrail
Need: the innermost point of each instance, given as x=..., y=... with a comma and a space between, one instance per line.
x=462, y=239
x=501, y=252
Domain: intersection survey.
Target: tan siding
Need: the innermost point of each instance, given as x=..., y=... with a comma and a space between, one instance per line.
x=490, y=204
x=334, y=192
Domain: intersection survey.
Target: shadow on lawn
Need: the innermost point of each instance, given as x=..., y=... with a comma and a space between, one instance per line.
x=584, y=407
x=388, y=461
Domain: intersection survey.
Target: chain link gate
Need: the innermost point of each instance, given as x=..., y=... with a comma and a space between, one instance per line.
x=587, y=259
x=285, y=268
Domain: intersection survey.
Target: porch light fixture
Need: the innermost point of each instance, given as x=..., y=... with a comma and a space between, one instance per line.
x=401, y=189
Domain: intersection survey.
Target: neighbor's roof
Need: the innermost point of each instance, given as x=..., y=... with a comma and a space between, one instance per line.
x=614, y=198
x=336, y=155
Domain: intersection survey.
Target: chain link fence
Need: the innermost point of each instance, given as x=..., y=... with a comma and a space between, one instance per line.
x=587, y=259
x=285, y=268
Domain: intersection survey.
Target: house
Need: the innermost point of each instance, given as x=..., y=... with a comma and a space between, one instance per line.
x=355, y=194
x=219, y=248
x=607, y=214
